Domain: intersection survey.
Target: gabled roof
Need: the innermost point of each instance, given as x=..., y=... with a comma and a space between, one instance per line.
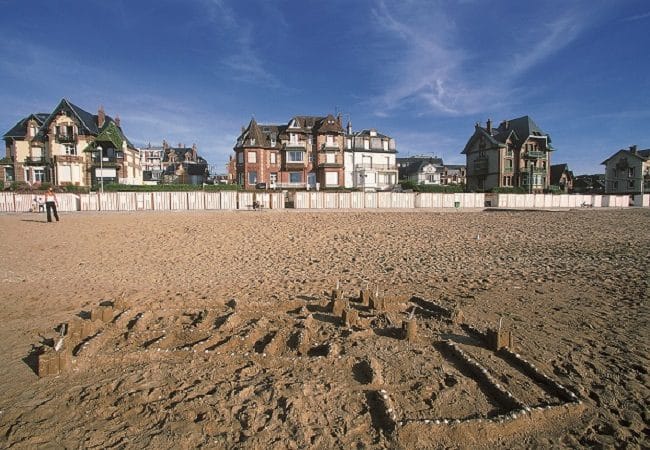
x=264, y=135
x=517, y=130
x=643, y=155
x=87, y=121
x=20, y=129
x=557, y=170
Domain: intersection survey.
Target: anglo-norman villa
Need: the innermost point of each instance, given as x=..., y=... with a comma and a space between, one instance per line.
x=69, y=146
x=517, y=153
x=314, y=152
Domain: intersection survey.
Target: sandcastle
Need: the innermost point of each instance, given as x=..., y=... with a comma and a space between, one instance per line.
x=370, y=334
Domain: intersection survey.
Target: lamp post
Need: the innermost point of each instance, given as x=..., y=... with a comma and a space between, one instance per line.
x=101, y=166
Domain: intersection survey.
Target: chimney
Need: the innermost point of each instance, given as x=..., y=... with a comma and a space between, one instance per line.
x=165, y=145
x=338, y=119
x=117, y=120
x=349, y=127
x=488, y=126
x=101, y=117
x=633, y=149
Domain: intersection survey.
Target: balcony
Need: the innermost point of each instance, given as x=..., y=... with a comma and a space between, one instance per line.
x=68, y=159
x=36, y=161
x=331, y=146
x=106, y=162
x=534, y=155
x=299, y=145
x=375, y=166
x=66, y=138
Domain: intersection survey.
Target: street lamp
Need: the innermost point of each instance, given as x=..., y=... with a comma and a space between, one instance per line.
x=101, y=166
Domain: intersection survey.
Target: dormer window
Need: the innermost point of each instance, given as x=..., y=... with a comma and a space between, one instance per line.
x=252, y=141
x=293, y=124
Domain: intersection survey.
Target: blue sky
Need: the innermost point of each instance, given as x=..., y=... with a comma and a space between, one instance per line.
x=422, y=71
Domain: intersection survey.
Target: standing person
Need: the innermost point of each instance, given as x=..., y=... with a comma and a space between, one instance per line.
x=50, y=204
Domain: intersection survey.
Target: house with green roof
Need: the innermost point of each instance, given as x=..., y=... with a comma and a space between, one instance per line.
x=70, y=146
x=517, y=153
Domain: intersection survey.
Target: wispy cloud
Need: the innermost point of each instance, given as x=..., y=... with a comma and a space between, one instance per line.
x=243, y=59
x=636, y=17
x=437, y=72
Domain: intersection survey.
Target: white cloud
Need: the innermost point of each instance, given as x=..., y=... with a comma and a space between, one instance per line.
x=437, y=71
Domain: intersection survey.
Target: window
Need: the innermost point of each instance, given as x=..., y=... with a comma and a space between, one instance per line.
x=240, y=157
x=366, y=144
x=252, y=177
x=295, y=177
x=630, y=172
x=273, y=177
x=70, y=149
x=385, y=144
x=331, y=178
x=329, y=141
x=272, y=158
x=39, y=175
x=630, y=184
x=32, y=131
x=295, y=156
x=330, y=158
x=252, y=157
x=348, y=143
x=293, y=138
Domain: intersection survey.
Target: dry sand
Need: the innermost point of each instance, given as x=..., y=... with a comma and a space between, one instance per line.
x=187, y=366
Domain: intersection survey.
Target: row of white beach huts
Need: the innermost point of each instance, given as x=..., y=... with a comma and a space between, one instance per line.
x=232, y=200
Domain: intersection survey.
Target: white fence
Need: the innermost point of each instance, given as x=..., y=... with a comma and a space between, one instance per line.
x=232, y=200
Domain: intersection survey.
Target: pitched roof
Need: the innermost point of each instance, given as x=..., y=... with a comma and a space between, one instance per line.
x=367, y=133
x=643, y=155
x=518, y=130
x=557, y=170
x=20, y=129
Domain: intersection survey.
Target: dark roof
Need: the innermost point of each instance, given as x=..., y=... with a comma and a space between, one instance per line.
x=518, y=130
x=415, y=164
x=419, y=158
x=88, y=122
x=641, y=154
x=557, y=170
x=454, y=166
x=20, y=129
x=367, y=133
x=181, y=153
x=263, y=135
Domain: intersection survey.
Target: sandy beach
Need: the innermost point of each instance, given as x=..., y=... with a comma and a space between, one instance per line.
x=227, y=339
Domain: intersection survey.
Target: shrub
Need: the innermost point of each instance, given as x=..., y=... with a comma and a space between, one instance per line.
x=20, y=186
x=509, y=190
x=116, y=187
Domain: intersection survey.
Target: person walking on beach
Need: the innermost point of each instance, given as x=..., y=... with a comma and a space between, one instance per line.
x=50, y=204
